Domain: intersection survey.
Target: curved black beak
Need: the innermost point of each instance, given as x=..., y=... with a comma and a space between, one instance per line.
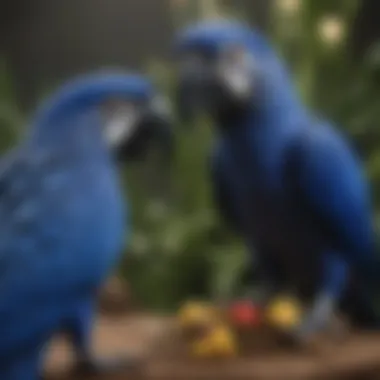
x=154, y=128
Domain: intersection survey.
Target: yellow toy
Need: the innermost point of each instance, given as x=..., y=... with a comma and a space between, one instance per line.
x=219, y=342
x=197, y=314
x=284, y=313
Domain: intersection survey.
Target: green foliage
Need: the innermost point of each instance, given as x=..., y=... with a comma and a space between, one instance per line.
x=178, y=247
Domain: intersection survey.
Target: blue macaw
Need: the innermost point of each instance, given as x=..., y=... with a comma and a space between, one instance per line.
x=60, y=198
x=286, y=180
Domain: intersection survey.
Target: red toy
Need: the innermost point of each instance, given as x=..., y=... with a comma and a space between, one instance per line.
x=244, y=314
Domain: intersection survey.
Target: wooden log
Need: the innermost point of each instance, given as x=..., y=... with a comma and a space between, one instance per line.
x=133, y=335
x=164, y=356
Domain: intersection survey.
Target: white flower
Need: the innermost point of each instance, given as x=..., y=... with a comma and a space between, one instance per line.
x=289, y=7
x=331, y=30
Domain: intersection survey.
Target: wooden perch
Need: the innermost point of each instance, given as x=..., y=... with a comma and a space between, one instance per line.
x=152, y=338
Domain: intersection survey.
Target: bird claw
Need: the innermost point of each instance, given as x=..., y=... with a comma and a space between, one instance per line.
x=318, y=319
x=307, y=333
x=104, y=366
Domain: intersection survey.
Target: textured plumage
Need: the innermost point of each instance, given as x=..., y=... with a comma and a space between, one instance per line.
x=62, y=222
x=289, y=183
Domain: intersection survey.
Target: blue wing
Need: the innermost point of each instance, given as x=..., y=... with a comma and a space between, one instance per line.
x=329, y=184
x=43, y=240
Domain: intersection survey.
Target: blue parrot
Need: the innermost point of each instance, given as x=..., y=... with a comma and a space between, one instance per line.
x=285, y=179
x=62, y=217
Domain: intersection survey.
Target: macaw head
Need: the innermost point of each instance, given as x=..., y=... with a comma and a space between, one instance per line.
x=226, y=68
x=130, y=110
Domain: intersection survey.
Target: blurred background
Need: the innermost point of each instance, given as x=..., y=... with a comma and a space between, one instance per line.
x=180, y=248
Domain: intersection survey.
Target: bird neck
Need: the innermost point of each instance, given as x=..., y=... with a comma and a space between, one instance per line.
x=275, y=107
